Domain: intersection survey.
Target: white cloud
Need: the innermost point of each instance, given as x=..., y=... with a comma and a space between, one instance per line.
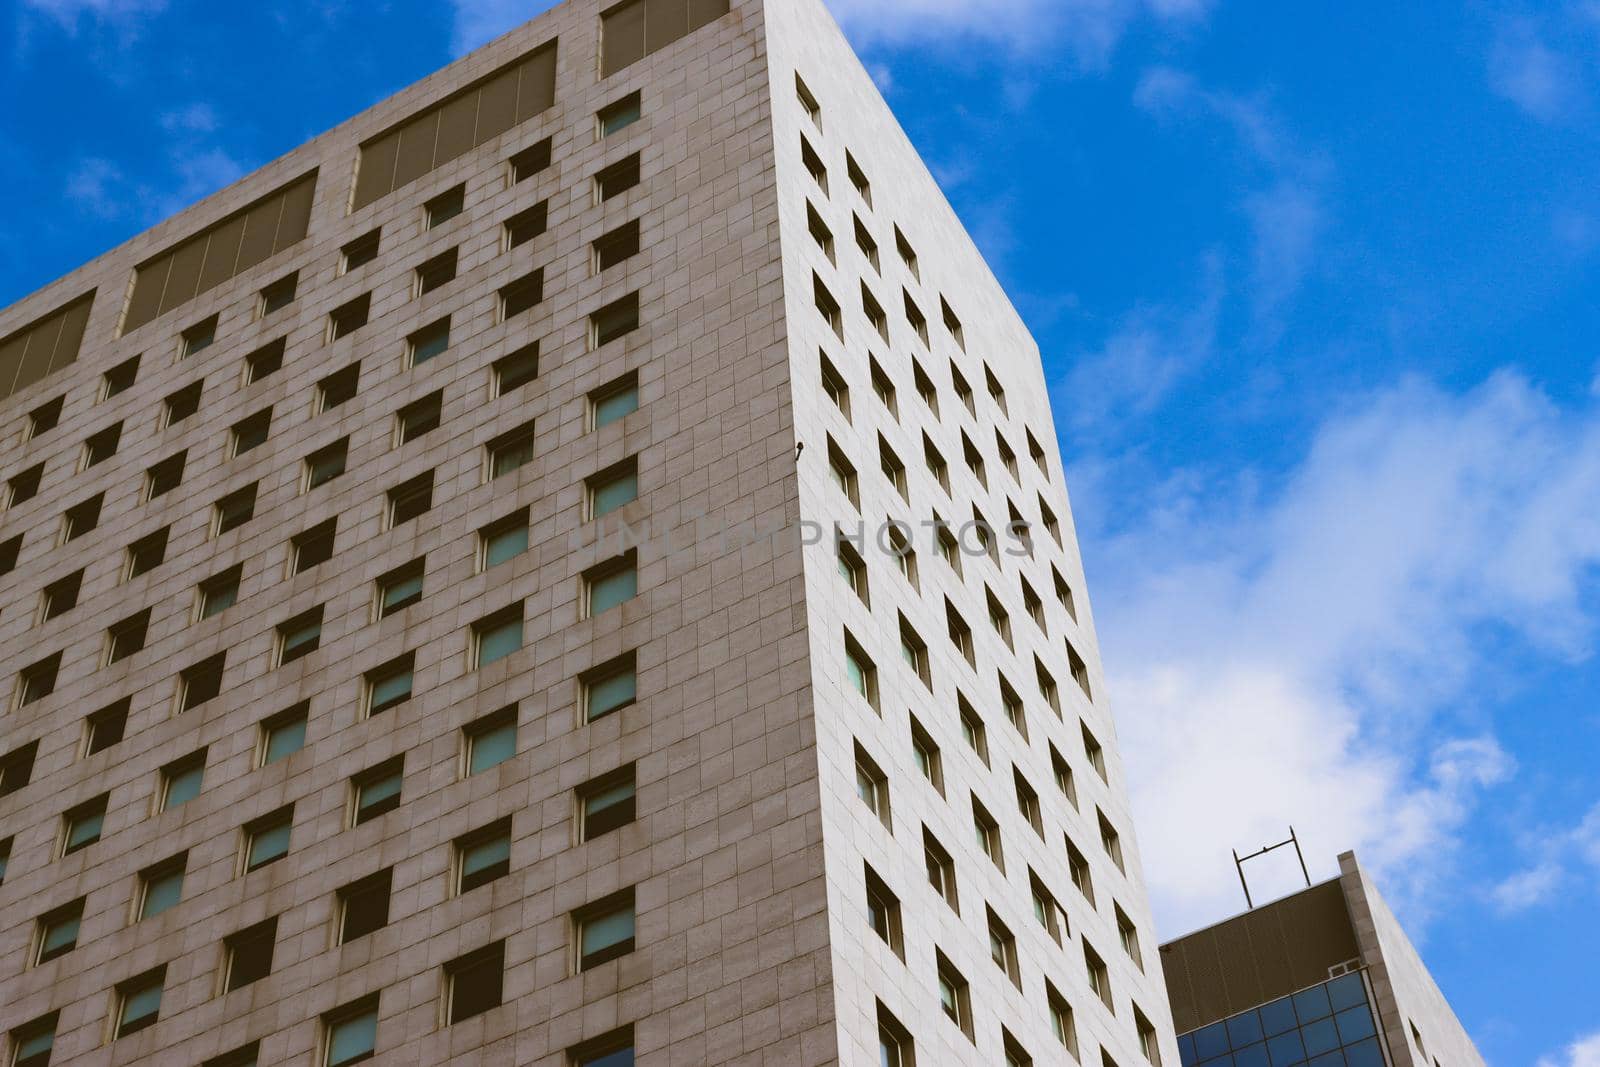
x=1289, y=654
x=1560, y=857
x=1525, y=70
x=477, y=22
x=188, y=169
x=1584, y=1052
x=96, y=186
x=1525, y=889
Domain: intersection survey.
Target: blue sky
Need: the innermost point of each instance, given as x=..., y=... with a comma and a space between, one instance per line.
x=1317, y=302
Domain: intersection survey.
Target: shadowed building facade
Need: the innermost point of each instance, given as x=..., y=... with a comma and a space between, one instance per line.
x=535, y=576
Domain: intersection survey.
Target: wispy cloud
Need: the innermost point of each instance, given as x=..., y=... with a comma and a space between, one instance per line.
x=1274, y=647
x=189, y=168
x=1527, y=71
x=477, y=22
x=1584, y=1052
x=1560, y=858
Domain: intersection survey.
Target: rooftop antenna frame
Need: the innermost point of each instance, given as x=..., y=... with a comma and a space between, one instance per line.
x=1239, y=862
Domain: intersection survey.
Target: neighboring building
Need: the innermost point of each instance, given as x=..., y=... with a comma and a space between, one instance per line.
x=341, y=722
x=1324, y=977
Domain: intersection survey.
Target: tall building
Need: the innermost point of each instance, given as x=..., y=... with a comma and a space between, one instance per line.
x=425, y=633
x=1324, y=977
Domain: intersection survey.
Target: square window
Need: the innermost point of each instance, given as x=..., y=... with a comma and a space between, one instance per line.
x=431, y=341
x=517, y=369
x=1128, y=934
x=221, y=592
x=267, y=839
x=616, y=178
x=119, y=379
x=45, y=417
x=510, y=451
x=525, y=225
x=360, y=252
x=60, y=597
x=522, y=295
x=474, y=983
x=389, y=686
x=82, y=825
x=139, y=1002
x=610, y=584
x=530, y=161
x=32, y=1044
x=300, y=636
x=446, y=206
x=181, y=404
x=609, y=687
x=338, y=387
x=81, y=518
x=483, y=856
x=364, y=906
x=607, y=803
x=377, y=791
x=410, y=499
x=181, y=781
x=874, y=312
x=895, y=1047
x=200, y=336
x=127, y=637
x=497, y=637
x=147, y=553
x=107, y=726
x=279, y=295
x=1095, y=751
x=613, y=488
x=400, y=588
x=351, y=1033
x=16, y=768
x=612, y=402
x=10, y=549
x=418, y=418
x=614, y=320
x=349, y=317
x=619, y=115
x=284, y=734
x=502, y=540
x=201, y=682
x=326, y=464
x=58, y=932
x=436, y=273
x=252, y=432
x=616, y=246
x=38, y=680
x=491, y=740
x=925, y=387
x=249, y=954
x=264, y=362
x=313, y=547
x=1110, y=841
x=1065, y=781
x=235, y=509
x=605, y=930
x=97, y=449
x=164, y=476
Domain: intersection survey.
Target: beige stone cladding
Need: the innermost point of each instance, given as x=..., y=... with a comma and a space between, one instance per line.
x=843, y=162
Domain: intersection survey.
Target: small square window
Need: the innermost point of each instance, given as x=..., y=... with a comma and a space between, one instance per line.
x=517, y=369
x=475, y=983
x=399, y=589
x=200, y=336
x=510, y=451
x=819, y=231
x=127, y=637
x=16, y=768
x=521, y=295
x=10, y=549
x=284, y=734
x=97, y=448
x=326, y=464
x=526, y=225
x=1062, y=772
x=107, y=726
x=338, y=387
x=45, y=417
x=410, y=499
x=437, y=272
x=1110, y=840
x=165, y=476
x=183, y=403
x=616, y=319
x=389, y=686
x=279, y=295
x=58, y=932
x=147, y=553
x=139, y=1002
x=349, y=317
x=235, y=509
x=360, y=252
x=418, y=418
x=264, y=362
x=616, y=246
x=483, y=856
x=1095, y=751
x=220, y=592
x=430, y=342
x=38, y=680
x=350, y=1034
x=607, y=803
x=267, y=839
x=619, y=115
x=364, y=906
x=82, y=825
x=925, y=387
x=497, y=636
x=530, y=161
x=312, y=548
x=1027, y=802
x=251, y=432
x=612, y=489
x=1079, y=669
x=614, y=401
x=32, y=1044
x=181, y=781
x=1045, y=909
x=249, y=955
x=491, y=740
x=300, y=636
x=609, y=687
x=1128, y=934
x=609, y=584
x=1016, y=1055
x=377, y=791
x=605, y=930
x=119, y=379
x=502, y=540
x=201, y=682
x=61, y=596
x=616, y=178
x=446, y=206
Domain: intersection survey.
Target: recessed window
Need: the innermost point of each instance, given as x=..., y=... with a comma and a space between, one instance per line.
x=618, y=116
x=834, y=386
x=201, y=682
x=843, y=474
x=496, y=637
x=819, y=231
x=893, y=469
x=364, y=906
x=181, y=781
x=491, y=740
x=1128, y=934
x=107, y=726
x=614, y=320
x=436, y=273
x=525, y=225
x=248, y=954
x=616, y=246
x=220, y=592
x=58, y=932
x=914, y=651
x=38, y=680
x=521, y=295
x=389, y=686
x=941, y=869
x=1061, y=1021
x=313, y=547
x=147, y=553
x=883, y=388
x=400, y=588
x=503, y=540
x=1048, y=517
x=326, y=464
x=1062, y=771
x=1003, y=948
x=530, y=161
x=865, y=242
x=611, y=489
x=987, y=832
x=5, y=858
x=235, y=509
x=517, y=369
x=16, y=768
x=605, y=930
x=199, y=337
x=80, y=518
x=872, y=786
x=952, y=324
x=860, y=672
x=347, y=318
x=82, y=825
x=32, y=1044
x=1149, y=1043
x=139, y=1002
x=609, y=687
x=1016, y=1055
x=446, y=206
x=1099, y=976
x=1095, y=751
x=264, y=362
x=609, y=1050
x=243, y=1056
x=807, y=101
x=1007, y=456
x=1110, y=840
x=613, y=401
x=377, y=791
x=97, y=448
x=418, y=418
x=1078, y=868
x=165, y=476
x=510, y=451
x=858, y=178
x=410, y=499
x=300, y=636
x=972, y=730
x=284, y=734
x=45, y=417
x=1027, y=802
x=955, y=998
x=974, y=460
x=925, y=387
x=266, y=840
x=616, y=178
x=606, y=803
x=1046, y=911
x=883, y=912
x=127, y=637
x=279, y=295
x=1079, y=669
x=483, y=856
x=360, y=252
x=251, y=432
x=350, y=1033
x=852, y=568
x=609, y=584
x=431, y=341
x=474, y=983
x=814, y=165
x=874, y=312
x=10, y=549
x=935, y=463
x=926, y=754
x=61, y=596
x=338, y=387
x=827, y=306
